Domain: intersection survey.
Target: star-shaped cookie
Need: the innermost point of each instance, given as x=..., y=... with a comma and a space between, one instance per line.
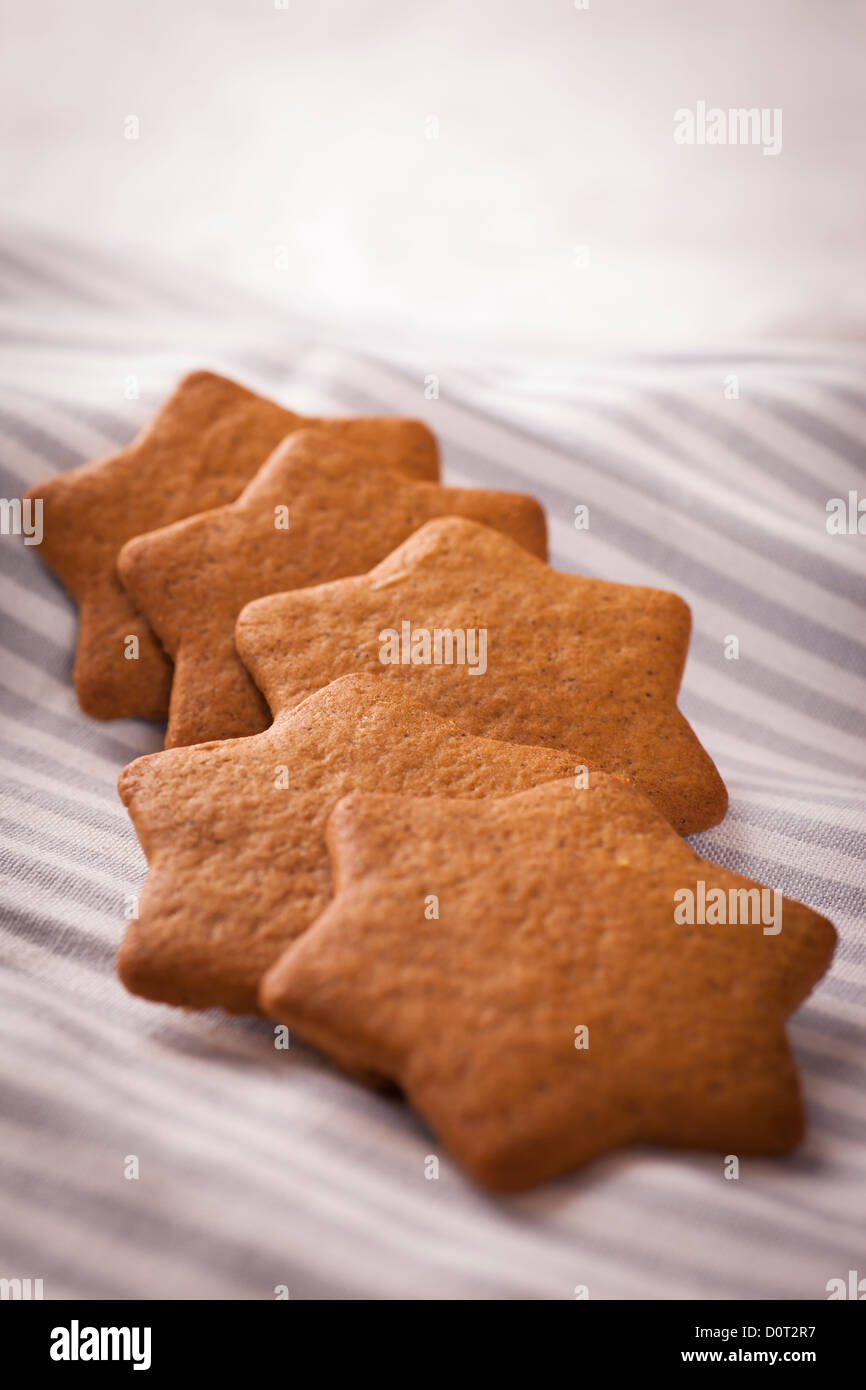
x=200, y=451
x=234, y=831
x=571, y=663
x=319, y=509
x=555, y=1007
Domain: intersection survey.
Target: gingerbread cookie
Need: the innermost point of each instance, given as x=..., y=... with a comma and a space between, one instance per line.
x=558, y=1002
x=568, y=662
x=234, y=831
x=201, y=449
x=319, y=509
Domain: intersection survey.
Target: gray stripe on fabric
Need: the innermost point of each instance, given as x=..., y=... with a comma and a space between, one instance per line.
x=687, y=506
x=816, y=890
x=42, y=930
x=38, y=762
x=69, y=889
x=641, y=481
x=606, y=1247
x=46, y=842
x=19, y=563
x=294, y=1167
x=18, y=637
x=109, y=818
x=680, y=404
x=149, y=1229
x=748, y=776
x=737, y=438
x=834, y=1068
x=846, y=395
x=705, y=711
x=637, y=1191
x=151, y=1236
x=83, y=734
x=203, y=1091
x=753, y=674
x=809, y=830
x=116, y=427
x=835, y=1026
x=814, y=427
x=58, y=1267
x=851, y=991
x=41, y=441
x=43, y=278
x=835, y=1122
x=714, y=584
x=726, y=1219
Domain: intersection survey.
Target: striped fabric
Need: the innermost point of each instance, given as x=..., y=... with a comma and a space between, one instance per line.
x=261, y=1168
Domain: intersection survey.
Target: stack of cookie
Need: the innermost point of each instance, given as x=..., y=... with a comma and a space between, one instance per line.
x=422, y=797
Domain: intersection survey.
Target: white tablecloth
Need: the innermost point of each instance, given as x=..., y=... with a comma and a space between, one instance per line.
x=258, y=1168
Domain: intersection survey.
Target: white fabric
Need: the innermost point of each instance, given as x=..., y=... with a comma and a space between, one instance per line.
x=260, y=1168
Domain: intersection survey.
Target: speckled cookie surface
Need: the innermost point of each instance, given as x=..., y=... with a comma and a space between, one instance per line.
x=200, y=450
x=318, y=509
x=554, y=1008
x=234, y=831
x=571, y=663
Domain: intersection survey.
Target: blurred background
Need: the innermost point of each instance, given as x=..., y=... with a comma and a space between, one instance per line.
x=501, y=172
